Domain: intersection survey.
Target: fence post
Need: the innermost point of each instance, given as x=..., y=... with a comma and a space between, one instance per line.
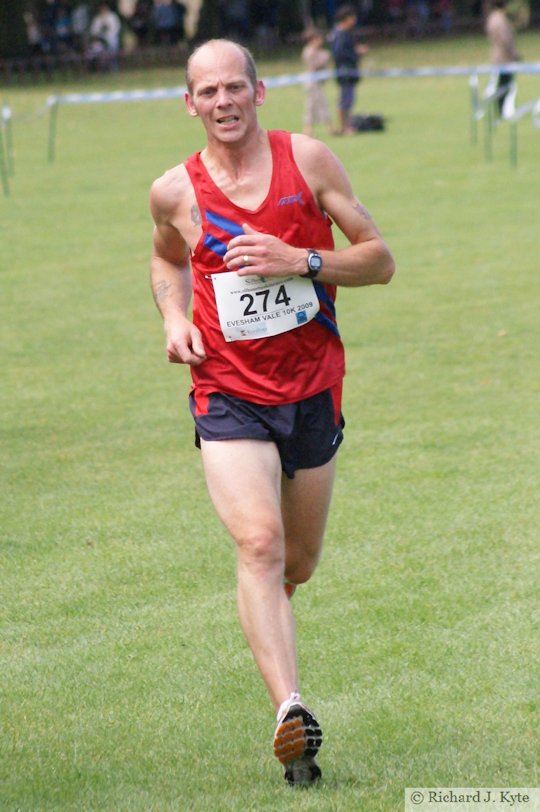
x=473, y=85
x=488, y=131
x=7, y=118
x=3, y=164
x=513, y=142
x=53, y=105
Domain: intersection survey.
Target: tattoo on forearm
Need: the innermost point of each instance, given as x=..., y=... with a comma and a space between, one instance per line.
x=161, y=291
x=362, y=211
x=196, y=215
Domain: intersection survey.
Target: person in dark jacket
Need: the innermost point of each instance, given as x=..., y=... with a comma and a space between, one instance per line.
x=346, y=52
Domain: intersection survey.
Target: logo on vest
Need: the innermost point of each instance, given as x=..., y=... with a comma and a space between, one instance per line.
x=286, y=201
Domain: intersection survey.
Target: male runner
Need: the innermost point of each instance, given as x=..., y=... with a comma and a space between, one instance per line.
x=246, y=225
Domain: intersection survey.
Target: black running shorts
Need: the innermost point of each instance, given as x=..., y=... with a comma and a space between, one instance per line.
x=307, y=434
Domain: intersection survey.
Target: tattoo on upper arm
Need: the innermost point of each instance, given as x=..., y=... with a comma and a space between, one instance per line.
x=161, y=291
x=196, y=215
x=362, y=211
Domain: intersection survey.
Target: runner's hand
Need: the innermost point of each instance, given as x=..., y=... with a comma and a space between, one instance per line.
x=254, y=252
x=184, y=343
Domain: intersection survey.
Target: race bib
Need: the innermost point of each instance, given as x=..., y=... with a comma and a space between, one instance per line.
x=262, y=306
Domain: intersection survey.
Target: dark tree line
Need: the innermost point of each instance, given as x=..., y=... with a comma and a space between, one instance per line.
x=13, y=41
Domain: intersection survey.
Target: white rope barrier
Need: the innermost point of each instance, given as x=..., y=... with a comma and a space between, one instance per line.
x=286, y=80
x=479, y=107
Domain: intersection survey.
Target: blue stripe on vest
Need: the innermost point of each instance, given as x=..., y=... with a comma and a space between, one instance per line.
x=324, y=297
x=225, y=225
x=326, y=322
x=215, y=245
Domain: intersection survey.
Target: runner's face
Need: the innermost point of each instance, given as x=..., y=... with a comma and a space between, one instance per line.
x=222, y=94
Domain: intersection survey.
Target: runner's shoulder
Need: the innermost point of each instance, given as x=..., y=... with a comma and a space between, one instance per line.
x=311, y=150
x=170, y=190
x=316, y=161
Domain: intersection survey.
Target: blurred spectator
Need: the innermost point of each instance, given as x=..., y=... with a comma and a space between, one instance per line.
x=418, y=12
x=181, y=16
x=64, y=37
x=33, y=33
x=96, y=54
x=80, y=23
x=168, y=19
x=315, y=58
x=104, y=38
x=444, y=12
x=126, y=9
x=47, y=25
x=106, y=26
x=500, y=33
x=347, y=53
x=141, y=22
x=235, y=18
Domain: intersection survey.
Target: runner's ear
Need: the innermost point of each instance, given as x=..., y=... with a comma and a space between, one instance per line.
x=189, y=104
x=260, y=93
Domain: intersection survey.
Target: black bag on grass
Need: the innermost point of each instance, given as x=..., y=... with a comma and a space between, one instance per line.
x=371, y=123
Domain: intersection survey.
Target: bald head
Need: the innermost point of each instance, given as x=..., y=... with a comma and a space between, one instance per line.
x=216, y=48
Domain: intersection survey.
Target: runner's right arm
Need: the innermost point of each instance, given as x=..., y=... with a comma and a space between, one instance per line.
x=170, y=277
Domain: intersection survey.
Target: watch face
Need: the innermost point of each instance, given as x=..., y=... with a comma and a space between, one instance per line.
x=314, y=262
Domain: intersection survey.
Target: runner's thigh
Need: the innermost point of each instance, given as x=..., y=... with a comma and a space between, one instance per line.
x=305, y=504
x=244, y=481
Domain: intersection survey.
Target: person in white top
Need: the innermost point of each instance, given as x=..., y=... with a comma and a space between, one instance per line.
x=106, y=26
x=501, y=36
x=315, y=57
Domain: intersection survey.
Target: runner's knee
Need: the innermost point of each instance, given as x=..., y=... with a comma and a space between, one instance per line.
x=261, y=548
x=301, y=571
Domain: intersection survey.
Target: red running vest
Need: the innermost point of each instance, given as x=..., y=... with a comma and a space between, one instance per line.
x=278, y=369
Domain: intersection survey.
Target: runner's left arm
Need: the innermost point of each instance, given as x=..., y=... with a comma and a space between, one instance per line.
x=366, y=261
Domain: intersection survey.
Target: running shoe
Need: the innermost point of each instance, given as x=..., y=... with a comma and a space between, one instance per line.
x=302, y=773
x=297, y=740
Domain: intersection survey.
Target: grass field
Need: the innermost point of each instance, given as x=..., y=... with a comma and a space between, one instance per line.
x=125, y=681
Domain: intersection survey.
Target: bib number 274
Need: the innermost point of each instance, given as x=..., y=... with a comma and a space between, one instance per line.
x=253, y=301
x=258, y=307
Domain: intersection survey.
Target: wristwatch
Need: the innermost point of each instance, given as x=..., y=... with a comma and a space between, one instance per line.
x=314, y=264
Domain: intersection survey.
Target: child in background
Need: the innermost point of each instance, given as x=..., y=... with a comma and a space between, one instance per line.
x=315, y=58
